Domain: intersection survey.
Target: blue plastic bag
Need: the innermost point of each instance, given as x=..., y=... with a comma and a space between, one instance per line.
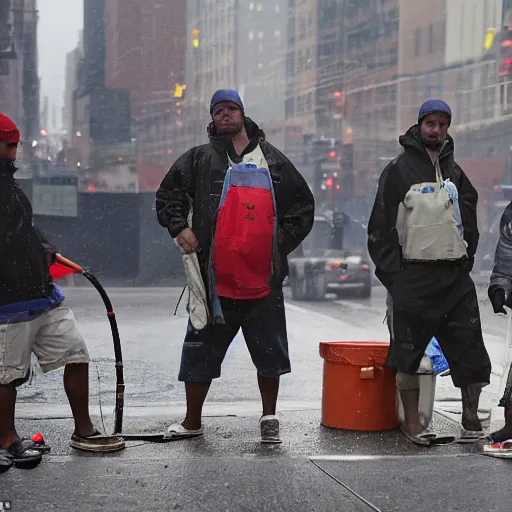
x=436, y=356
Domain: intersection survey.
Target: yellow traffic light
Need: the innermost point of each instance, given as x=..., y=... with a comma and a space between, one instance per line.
x=195, y=38
x=178, y=90
x=489, y=38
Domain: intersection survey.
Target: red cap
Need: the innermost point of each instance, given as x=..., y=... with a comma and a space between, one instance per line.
x=8, y=131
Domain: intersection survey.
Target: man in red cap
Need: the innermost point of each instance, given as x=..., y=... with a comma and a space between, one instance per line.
x=34, y=320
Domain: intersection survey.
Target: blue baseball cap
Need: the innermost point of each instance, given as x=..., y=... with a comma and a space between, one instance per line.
x=226, y=95
x=434, y=107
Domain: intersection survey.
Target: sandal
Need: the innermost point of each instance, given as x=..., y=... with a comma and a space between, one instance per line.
x=427, y=439
x=499, y=450
x=5, y=462
x=23, y=457
x=30, y=444
x=178, y=431
x=97, y=442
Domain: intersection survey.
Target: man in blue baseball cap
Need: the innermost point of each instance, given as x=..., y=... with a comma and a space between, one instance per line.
x=422, y=237
x=250, y=209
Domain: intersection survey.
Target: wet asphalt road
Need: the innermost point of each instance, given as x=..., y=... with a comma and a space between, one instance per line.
x=315, y=469
x=152, y=338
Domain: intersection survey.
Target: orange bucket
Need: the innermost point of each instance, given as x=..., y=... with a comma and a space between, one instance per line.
x=359, y=393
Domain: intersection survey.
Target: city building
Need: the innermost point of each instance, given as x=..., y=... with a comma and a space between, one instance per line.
x=441, y=46
x=370, y=91
x=331, y=66
x=19, y=81
x=301, y=76
x=261, y=43
x=73, y=60
x=145, y=48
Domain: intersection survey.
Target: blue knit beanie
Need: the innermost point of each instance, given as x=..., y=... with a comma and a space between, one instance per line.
x=226, y=95
x=434, y=107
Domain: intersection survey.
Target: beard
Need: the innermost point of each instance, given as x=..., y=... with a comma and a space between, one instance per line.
x=230, y=130
x=8, y=165
x=433, y=144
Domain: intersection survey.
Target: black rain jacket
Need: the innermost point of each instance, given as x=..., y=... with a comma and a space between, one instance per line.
x=426, y=281
x=24, y=273
x=196, y=179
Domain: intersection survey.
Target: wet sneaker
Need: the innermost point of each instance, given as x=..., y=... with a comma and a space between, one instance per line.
x=269, y=428
x=499, y=450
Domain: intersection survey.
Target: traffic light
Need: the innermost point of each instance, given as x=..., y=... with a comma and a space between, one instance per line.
x=505, y=58
x=179, y=91
x=326, y=150
x=195, y=38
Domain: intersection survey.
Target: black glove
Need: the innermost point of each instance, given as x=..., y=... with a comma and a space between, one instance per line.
x=497, y=298
x=51, y=253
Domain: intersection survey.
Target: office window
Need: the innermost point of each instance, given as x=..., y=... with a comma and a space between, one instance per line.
x=290, y=107
x=309, y=102
x=300, y=61
x=300, y=104
x=290, y=64
x=431, y=38
x=417, y=42
x=302, y=28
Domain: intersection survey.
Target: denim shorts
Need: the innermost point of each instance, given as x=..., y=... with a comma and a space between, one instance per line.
x=263, y=325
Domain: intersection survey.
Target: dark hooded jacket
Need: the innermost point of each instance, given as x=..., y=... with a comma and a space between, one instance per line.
x=501, y=275
x=196, y=180
x=411, y=167
x=24, y=273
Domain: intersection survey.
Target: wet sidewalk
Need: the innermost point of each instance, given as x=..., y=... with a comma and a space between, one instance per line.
x=315, y=469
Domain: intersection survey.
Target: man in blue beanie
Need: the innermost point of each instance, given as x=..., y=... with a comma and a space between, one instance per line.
x=250, y=209
x=422, y=237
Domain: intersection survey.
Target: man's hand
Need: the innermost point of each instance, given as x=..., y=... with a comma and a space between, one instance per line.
x=497, y=298
x=50, y=252
x=187, y=241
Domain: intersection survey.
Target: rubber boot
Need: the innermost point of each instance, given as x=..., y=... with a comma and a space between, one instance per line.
x=504, y=434
x=470, y=400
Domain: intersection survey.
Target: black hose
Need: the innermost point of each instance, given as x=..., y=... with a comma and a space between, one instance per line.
x=119, y=407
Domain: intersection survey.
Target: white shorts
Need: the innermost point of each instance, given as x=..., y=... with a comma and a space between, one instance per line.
x=53, y=337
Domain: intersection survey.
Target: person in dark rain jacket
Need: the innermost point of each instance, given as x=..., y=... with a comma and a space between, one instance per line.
x=422, y=237
x=33, y=319
x=500, y=288
x=251, y=208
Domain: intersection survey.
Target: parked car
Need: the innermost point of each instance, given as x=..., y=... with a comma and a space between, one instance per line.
x=333, y=258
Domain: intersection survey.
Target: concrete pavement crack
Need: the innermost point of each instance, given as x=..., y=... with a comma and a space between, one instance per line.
x=371, y=506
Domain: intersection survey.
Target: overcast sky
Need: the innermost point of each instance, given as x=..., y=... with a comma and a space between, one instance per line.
x=59, y=24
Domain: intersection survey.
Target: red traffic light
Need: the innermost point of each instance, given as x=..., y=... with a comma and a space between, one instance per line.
x=332, y=155
x=329, y=182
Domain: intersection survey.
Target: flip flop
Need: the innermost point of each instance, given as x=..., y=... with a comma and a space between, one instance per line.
x=442, y=439
x=428, y=439
x=29, y=444
x=97, y=443
x=178, y=431
x=499, y=450
x=421, y=439
x=23, y=457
